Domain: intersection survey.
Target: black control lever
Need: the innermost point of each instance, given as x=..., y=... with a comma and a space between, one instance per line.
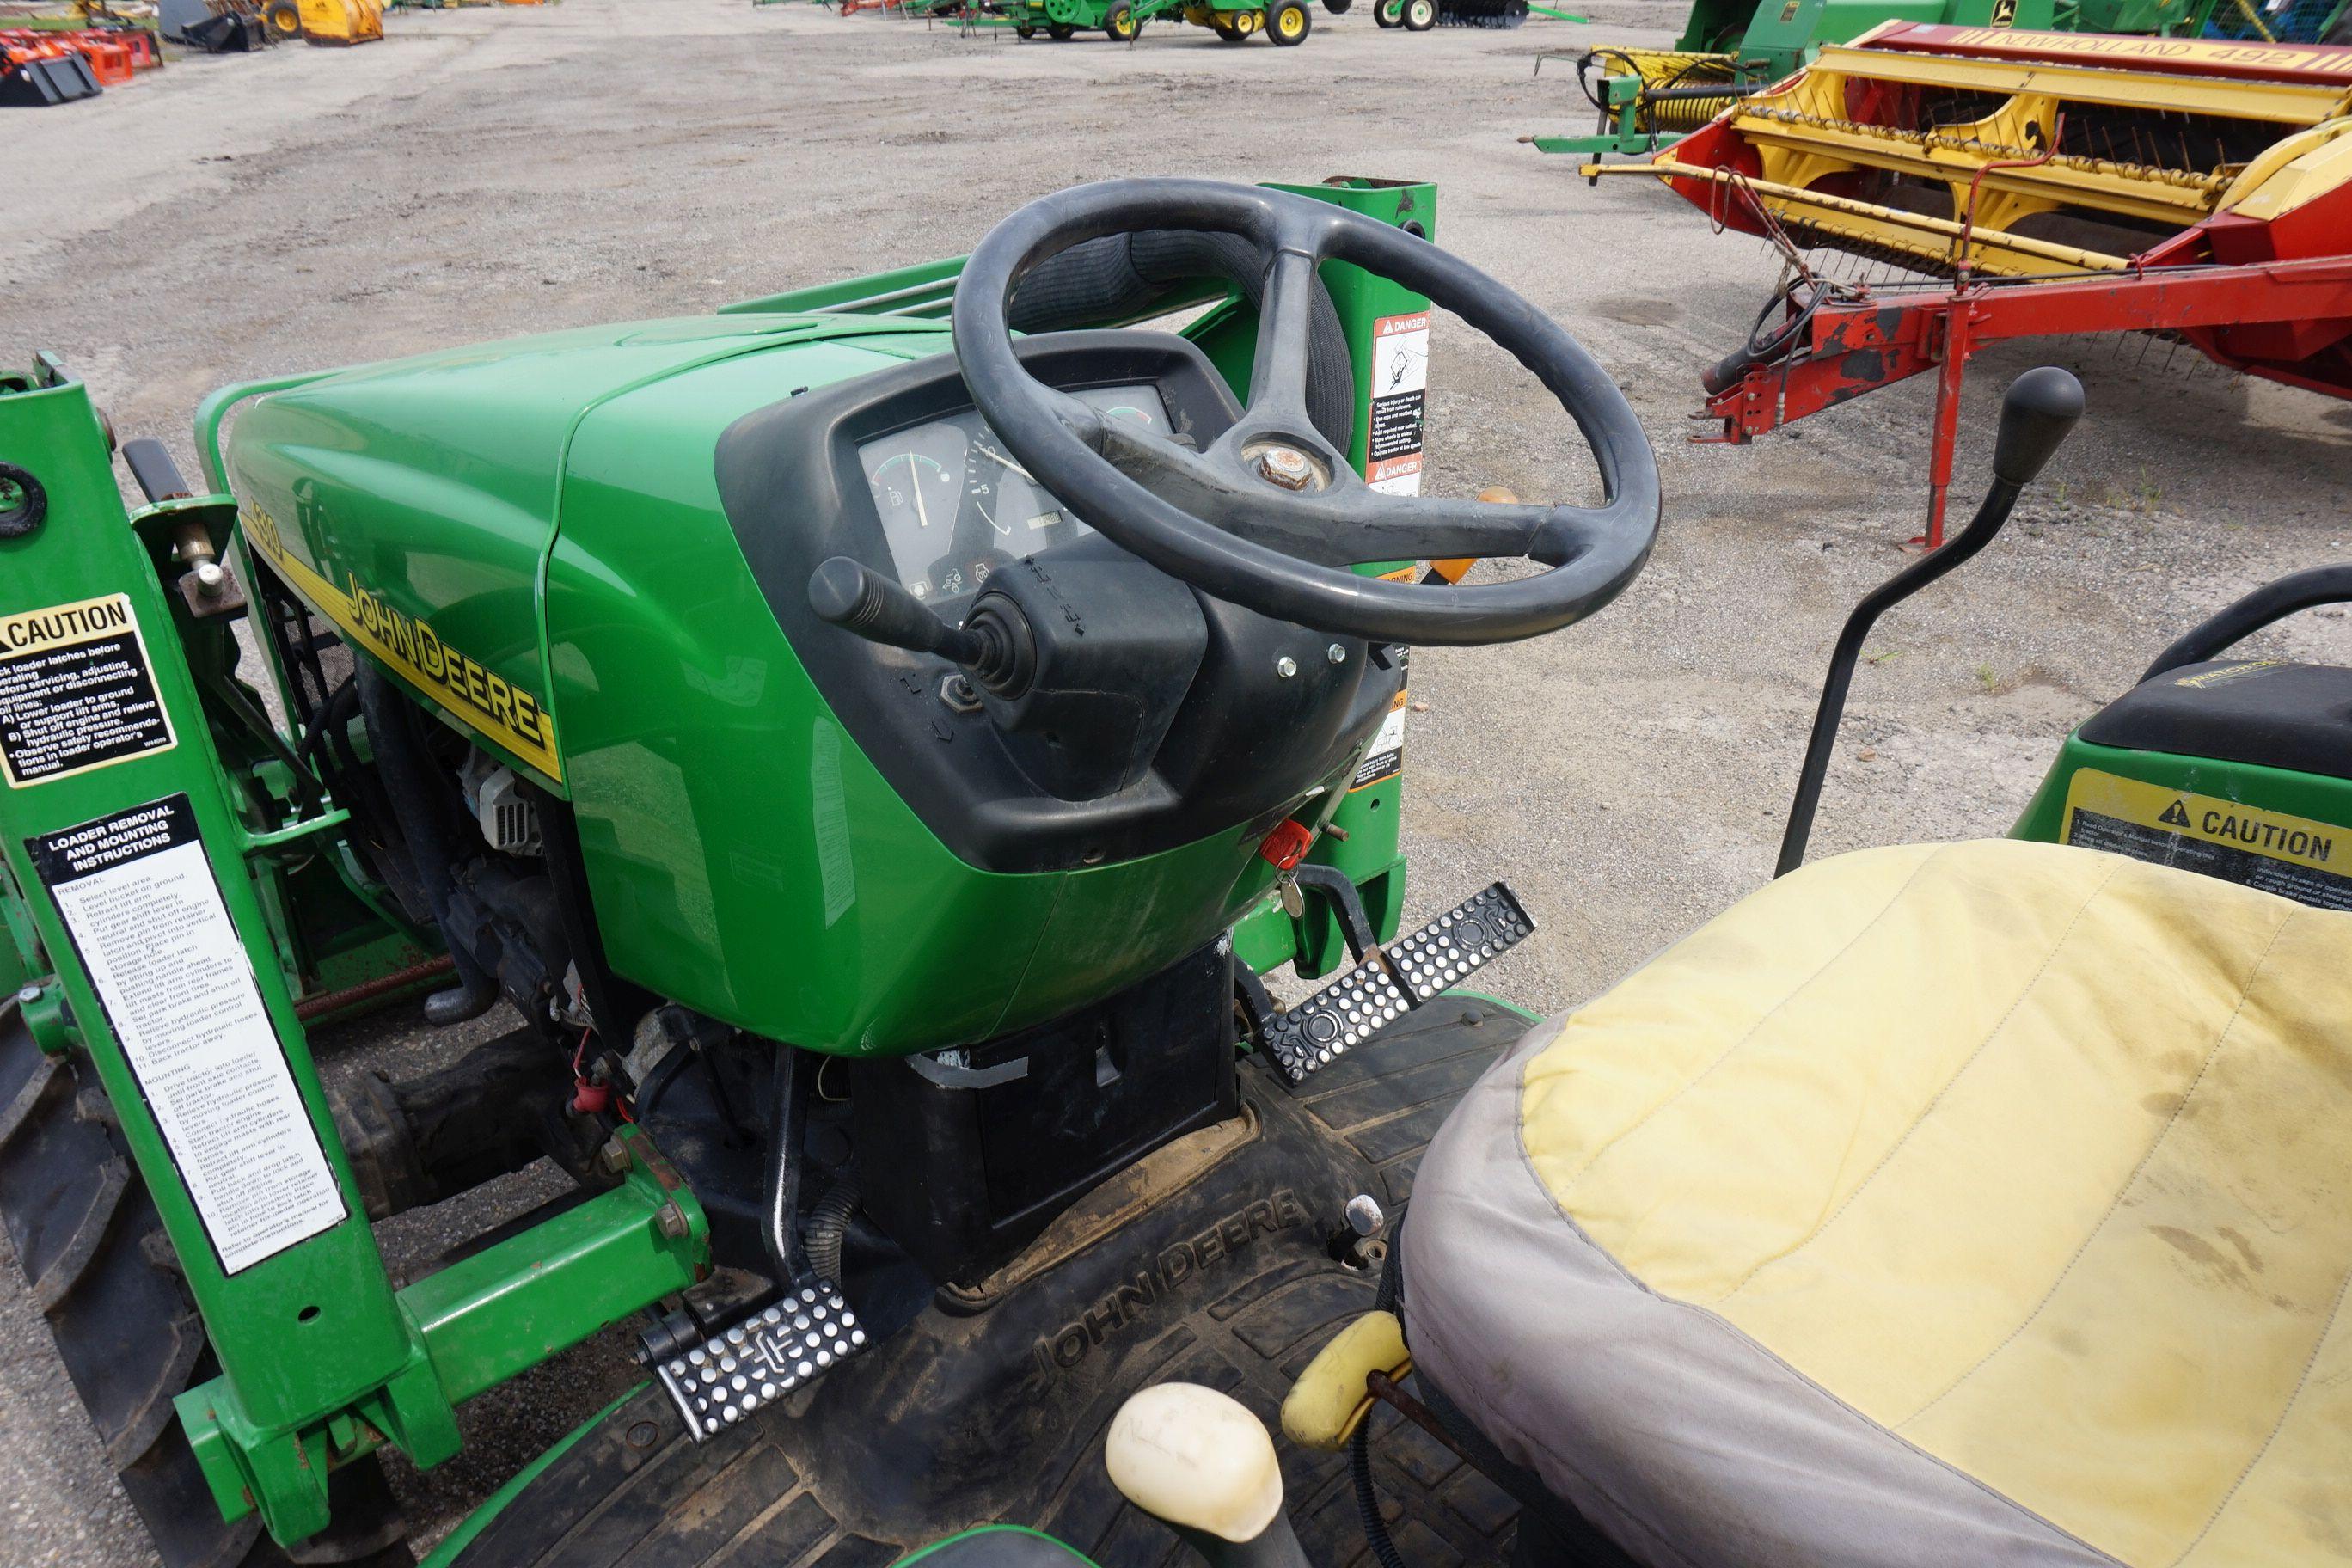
x=866, y=602
x=2040, y=408
x=994, y=642
x=151, y=465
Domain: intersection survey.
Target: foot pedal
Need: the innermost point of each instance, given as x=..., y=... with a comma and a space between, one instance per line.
x=759, y=1360
x=1388, y=982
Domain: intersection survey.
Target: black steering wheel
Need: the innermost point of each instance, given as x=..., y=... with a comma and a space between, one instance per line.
x=1272, y=515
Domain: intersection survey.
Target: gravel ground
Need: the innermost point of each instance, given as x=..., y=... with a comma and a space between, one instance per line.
x=489, y=171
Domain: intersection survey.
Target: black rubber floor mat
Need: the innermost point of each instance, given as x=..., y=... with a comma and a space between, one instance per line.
x=966, y=1417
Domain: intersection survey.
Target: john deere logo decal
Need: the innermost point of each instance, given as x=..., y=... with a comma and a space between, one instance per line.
x=497, y=708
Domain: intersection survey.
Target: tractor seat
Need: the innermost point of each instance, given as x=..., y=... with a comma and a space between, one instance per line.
x=1973, y=1203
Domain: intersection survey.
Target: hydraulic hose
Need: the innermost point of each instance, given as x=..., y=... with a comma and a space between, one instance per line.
x=828, y=1227
x=409, y=783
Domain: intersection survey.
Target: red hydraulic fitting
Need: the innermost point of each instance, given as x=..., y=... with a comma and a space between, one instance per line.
x=591, y=1098
x=1287, y=844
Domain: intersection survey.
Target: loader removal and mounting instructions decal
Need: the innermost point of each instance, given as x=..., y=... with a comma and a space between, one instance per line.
x=2292, y=857
x=1399, y=400
x=138, y=897
x=76, y=692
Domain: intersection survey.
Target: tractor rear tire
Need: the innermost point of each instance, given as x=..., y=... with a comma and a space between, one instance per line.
x=1288, y=23
x=1388, y=13
x=102, y=1271
x=1122, y=24
x=1420, y=15
x=1060, y=32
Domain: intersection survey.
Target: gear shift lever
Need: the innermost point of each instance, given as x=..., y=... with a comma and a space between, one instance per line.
x=1203, y=1465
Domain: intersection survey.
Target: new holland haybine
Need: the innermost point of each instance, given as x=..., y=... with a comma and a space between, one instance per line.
x=871, y=742
x=2195, y=189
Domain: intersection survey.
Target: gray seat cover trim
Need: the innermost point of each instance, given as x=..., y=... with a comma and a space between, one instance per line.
x=1684, y=1441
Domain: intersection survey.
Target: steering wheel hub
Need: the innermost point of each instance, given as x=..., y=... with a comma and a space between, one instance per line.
x=1286, y=467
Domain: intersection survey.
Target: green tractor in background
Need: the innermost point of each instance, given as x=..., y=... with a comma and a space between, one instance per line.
x=1286, y=22
x=875, y=739
x=1647, y=98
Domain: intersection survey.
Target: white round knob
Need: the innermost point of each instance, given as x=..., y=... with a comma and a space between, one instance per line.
x=1196, y=1459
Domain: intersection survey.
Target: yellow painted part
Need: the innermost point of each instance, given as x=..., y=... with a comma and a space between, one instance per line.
x=2124, y=85
x=1689, y=68
x=1825, y=144
x=2300, y=169
x=2036, y=1157
x=1330, y=1399
x=1932, y=239
x=342, y=21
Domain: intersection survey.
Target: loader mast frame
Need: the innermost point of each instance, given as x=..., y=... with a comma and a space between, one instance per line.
x=321, y=1359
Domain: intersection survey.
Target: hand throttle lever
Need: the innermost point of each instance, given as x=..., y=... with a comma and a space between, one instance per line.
x=994, y=642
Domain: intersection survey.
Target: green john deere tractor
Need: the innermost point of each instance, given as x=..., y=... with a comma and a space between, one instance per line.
x=1286, y=22
x=874, y=740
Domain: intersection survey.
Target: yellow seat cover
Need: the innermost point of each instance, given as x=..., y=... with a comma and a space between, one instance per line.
x=2026, y=1165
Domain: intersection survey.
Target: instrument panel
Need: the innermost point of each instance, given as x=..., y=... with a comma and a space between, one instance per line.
x=955, y=504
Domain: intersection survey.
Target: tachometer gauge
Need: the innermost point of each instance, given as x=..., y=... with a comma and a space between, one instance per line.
x=1007, y=496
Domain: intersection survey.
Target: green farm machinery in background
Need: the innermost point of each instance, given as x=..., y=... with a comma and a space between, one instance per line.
x=1647, y=98
x=1286, y=22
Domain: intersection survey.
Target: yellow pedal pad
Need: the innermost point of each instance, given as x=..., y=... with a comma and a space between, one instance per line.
x=1330, y=1397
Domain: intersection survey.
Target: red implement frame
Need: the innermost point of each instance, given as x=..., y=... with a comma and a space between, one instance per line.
x=2272, y=297
x=2257, y=319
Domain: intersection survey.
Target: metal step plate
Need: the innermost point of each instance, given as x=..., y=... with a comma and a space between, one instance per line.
x=1439, y=955
x=759, y=1360
x=1414, y=970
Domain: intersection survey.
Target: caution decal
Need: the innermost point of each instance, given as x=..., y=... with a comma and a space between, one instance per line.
x=2291, y=856
x=1400, y=375
x=76, y=692
x=495, y=707
x=1384, y=758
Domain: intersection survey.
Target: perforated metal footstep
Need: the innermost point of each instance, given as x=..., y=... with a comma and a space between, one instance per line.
x=1388, y=982
x=759, y=1360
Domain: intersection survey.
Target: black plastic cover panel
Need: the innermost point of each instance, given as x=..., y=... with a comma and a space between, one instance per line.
x=2273, y=714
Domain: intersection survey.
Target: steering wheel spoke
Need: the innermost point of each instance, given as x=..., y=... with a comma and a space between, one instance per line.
x=1278, y=392
x=1355, y=525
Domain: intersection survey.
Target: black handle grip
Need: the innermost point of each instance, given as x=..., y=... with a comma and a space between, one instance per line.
x=2040, y=408
x=151, y=465
x=848, y=595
